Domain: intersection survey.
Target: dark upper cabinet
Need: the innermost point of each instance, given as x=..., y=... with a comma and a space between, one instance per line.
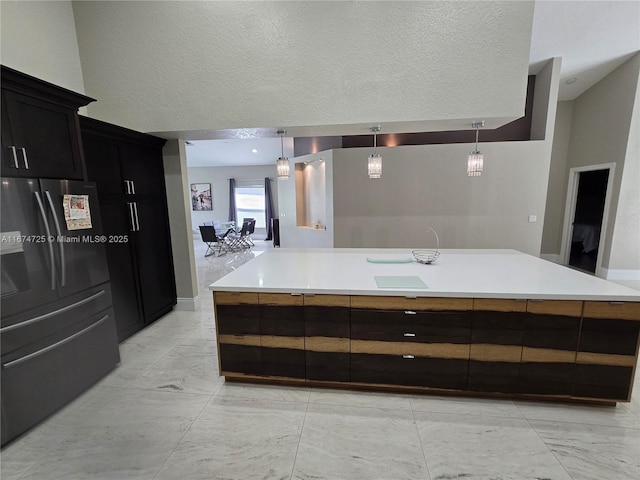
x=127, y=167
x=40, y=132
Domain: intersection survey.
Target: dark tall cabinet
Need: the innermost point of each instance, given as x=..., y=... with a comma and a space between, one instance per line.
x=57, y=328
x=127, y=167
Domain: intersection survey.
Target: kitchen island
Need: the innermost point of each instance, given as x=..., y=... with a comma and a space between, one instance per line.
x=481, y=322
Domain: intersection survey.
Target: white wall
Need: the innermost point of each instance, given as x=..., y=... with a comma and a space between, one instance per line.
x=219, y=177
x=625, y=250
x=600, y=133
x=39, y=39
x=292, y=235
x=558, y=178
x=179, y=204
x=176, y=66
x=428, y=186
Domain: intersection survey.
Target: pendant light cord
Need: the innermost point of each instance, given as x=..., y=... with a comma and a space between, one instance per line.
x=477, y=131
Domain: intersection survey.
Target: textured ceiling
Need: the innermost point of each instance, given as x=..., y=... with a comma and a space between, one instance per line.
x=592, y=37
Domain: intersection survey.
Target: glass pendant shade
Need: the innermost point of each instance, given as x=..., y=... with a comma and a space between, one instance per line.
x=475, y=162
x=282, y=166
x=375, y=166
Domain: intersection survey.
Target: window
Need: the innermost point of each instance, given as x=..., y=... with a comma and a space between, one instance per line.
x=250, y=203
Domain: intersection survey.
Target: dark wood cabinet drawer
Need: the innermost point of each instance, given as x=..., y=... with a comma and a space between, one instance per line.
x=503, y=377
x=327, y=322
x=618, y=337
x=602, y=381
x=411, y=326
x=238, y=319
x=327, y=366
x=409, y=370
x=242, y=359
x=283, y=362
x=546, y=378
x=552, y=324
x=282, y=320
x=498, y=328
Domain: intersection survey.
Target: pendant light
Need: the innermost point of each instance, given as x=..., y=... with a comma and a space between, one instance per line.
x=475, y=160
x=375, y=160
x=282, y=165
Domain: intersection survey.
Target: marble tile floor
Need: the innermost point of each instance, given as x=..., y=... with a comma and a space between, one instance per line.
x=165, y=414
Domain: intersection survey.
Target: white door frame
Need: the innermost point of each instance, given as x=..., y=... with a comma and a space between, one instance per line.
x=570, y=211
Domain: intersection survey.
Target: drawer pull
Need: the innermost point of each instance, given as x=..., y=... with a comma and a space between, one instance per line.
x=238, y=336
x=408, y=356
x=616, y=303
x=409, y=334
x=409, y=312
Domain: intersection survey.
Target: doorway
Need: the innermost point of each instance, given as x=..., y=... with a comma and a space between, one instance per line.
x=587, y=205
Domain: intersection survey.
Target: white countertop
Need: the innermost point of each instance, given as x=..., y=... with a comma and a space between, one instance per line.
x=457, y=273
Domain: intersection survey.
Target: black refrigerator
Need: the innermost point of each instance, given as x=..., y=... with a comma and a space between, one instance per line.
x=57, y=330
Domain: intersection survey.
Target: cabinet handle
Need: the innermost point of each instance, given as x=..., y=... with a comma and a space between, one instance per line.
x=132, y=227
x=238, y=336
x=15, y=156
x=24, y=157
x=616, y=303
x=409, y=312
x=130, y=187
x=408, y=356
x=409, y=334
x=135, y=212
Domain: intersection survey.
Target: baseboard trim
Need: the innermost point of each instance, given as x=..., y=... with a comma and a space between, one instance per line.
x=189, y=304
x=620, y=274
x=551, y=257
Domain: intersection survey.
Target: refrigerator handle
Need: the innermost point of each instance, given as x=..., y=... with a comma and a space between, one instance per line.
x=133, y=187
x=135, y=211
x=49, y=240
x=63, y=263
x=127, y=189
